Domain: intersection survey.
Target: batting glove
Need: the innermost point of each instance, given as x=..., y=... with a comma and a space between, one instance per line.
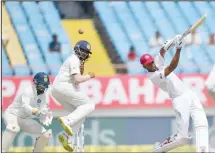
x=179, y=41
x=168, y=44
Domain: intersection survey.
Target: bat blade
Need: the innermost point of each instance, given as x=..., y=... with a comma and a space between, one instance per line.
x=195, y=26
x=199, y=22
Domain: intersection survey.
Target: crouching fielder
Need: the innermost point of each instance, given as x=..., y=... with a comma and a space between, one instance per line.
x=19, y=115
x=210, y=83
x=185, y=102
x=66, y=91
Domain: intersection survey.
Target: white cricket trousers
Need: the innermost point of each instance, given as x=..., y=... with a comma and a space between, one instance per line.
x=74, y=101
x=210, y=83
x=188, y=105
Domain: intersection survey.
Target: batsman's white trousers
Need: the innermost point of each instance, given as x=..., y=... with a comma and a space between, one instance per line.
x=188, y=105
x=210, y=83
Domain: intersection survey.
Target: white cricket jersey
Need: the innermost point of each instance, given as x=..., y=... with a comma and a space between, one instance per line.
x=24, y=103
x=171, y=84
x=70, y=66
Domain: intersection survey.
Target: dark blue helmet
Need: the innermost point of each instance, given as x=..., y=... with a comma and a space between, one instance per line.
x=82, y=50
x=41, y=81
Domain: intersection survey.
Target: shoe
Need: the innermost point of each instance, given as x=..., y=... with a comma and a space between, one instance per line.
x=65, y=126
x=65, y=143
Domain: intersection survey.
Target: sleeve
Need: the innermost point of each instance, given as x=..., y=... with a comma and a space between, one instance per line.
x=26, y=98
x=159, y=60
x=159, y=75
x=74, y=66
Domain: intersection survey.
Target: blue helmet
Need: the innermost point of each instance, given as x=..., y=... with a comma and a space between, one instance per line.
x=41, y=81
x=82, y=50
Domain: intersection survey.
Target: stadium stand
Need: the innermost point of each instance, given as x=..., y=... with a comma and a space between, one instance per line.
x=6, y=69
x=99, y=62
x=145, y=18
x=31, y=25
x=13, y=50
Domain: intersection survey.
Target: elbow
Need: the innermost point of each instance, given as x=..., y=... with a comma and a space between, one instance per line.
x=77, y=78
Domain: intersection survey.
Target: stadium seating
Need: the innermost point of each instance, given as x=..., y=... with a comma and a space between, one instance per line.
x=31, y=25
x=99, y=61
x=139, y=21
x=14, y=49
x=6, y=68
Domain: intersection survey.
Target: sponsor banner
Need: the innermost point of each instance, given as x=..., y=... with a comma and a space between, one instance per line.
x=119, y=131
x=115, y=92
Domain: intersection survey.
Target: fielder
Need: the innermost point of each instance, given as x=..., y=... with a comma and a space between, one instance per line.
x=185, y=102
x=66, y=91
x=19, y=115
x=210, y=83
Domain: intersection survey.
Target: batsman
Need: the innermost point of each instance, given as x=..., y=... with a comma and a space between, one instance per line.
x=185, y=102
x=67, y=92
x=32, y=103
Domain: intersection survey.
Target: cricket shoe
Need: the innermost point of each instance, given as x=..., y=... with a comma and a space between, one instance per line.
x=64, y=140
x=156, y=147
x=65, y=125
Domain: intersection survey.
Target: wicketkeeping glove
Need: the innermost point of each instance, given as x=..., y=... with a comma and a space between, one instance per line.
x=46, y=117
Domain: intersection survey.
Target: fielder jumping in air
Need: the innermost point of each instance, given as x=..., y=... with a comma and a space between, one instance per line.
x=185, y=102
x=19, y=115
x=66, y=91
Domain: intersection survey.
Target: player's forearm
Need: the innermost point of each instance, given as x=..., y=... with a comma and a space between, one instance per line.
x=175, y=60
x=81, y=78
x=162, y=52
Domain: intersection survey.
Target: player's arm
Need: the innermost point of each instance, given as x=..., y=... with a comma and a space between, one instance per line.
x=82, y=78
x=168, y=45
x=175, y=60
x=76, y=72
x=26, y=99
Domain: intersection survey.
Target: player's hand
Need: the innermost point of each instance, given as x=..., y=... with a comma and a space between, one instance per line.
x=82, y=67
x=36, y=112
x=91, y=74
x=46, y=118
x=168, y=44
x=179, y=42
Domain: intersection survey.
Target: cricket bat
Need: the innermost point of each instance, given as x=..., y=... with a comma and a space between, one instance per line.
x=193, y=27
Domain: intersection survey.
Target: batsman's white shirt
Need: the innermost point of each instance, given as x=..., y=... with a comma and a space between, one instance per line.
x=69, y=67
x=24, y=103
x=171, y=84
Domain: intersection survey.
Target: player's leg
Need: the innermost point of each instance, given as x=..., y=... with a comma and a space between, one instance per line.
x=81, y=102
x=33, y=127
x=67, y=140
x=181, y=108
x=201, y=124
x=12, y=128
x=210, y=83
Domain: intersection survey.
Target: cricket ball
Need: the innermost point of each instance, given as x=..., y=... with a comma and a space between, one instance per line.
x=80, y=31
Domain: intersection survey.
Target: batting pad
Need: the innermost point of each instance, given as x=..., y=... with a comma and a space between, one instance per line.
x=178, y=142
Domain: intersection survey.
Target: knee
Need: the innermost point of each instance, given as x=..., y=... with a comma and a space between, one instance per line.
x=47, y=134
x=13, y=127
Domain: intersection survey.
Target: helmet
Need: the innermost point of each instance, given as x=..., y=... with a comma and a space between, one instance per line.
x=82, y=50
x=41, y=80
x=146, y=59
